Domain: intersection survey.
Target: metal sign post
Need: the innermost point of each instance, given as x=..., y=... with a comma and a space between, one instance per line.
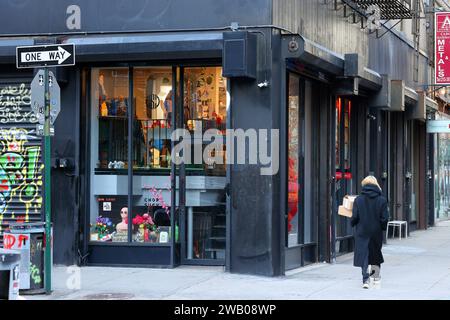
x=47, y=187
x=46, y=105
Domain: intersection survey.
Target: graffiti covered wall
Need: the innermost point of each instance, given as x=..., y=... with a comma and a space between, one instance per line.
x=20, y=156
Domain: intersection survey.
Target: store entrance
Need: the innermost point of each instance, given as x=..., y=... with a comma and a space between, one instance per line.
x=344, y=173
x=203, y=178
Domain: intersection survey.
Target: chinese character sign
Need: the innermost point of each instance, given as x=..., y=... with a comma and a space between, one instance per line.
x=442, y=41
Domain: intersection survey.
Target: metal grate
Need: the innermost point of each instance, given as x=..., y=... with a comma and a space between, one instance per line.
x=389, y=9
x=21, y=164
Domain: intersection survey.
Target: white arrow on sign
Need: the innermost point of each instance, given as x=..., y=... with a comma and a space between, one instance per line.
x=59, y=55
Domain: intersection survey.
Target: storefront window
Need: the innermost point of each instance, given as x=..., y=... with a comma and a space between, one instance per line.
x=152, y=136
x=109, y=149
x=343, y=161
x=443, y=175
x=153, y=127
x=347, y=111
x=338, y=133
x=293, y=160
x=154, y=116
x=205, y=108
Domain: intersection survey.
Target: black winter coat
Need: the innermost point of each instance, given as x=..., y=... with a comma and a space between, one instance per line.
x=370, y=217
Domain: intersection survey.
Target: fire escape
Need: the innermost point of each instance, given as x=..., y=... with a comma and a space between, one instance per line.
x=363, y=11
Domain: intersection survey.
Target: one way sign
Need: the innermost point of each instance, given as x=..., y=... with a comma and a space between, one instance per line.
x=45, y=56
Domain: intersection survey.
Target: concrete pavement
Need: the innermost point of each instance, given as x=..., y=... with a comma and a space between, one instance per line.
x=415, y=268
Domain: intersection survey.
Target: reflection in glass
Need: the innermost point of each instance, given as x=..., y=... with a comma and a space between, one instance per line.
x=205, y=104
x=109, y=150
x=152, y=91
x=343, y=163
x=293, y=160
x=153, y=127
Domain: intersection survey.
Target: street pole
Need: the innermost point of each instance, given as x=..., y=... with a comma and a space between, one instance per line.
x=47, y=187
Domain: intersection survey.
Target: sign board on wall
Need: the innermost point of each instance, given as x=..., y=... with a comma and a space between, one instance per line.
x=442, y=42
x=438, y=126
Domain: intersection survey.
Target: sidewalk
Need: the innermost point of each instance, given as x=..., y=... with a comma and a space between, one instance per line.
x=414, y=268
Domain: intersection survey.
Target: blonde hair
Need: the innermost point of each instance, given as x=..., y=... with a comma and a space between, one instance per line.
x=370, y=180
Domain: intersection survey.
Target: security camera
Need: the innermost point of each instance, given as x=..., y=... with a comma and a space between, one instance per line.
x=264, y=84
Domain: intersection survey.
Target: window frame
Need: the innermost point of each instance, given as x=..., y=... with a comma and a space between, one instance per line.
x=177, y=67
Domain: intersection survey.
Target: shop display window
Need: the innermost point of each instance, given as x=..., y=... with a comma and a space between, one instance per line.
x=149, y=109
x=205, y=104
x=153, y=127
x=293, y=160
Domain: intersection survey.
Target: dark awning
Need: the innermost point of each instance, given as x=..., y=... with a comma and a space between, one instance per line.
x=8, y=48
x=349, y=69
x=298, y=47
x=157, y=46
x=160, y=46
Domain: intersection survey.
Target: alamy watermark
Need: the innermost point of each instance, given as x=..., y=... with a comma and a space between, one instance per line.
x=237, y=146
x=374, y=17
x=73, y=281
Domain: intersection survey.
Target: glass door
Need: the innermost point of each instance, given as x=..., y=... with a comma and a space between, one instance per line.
x=203, y=117
x=343, y=167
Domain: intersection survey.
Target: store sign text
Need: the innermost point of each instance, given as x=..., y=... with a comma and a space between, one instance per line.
x=442, y=40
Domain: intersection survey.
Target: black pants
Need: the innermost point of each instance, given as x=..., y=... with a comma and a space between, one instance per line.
x=365, y=267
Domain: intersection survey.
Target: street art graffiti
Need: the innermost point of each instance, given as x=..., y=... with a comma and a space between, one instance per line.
x=20, y=175
x=20, y=156
x=35, y=274
x=15, y=103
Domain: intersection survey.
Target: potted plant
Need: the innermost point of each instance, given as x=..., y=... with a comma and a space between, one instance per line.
x=102, y=225
x=146, y=227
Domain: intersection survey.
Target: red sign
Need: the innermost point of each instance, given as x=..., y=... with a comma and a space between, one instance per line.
x=14, y=241
x=442, y=41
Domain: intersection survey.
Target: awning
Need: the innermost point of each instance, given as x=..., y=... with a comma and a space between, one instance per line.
x=431, y=104
x=348, y=69
x=395, y=96
x=161, y=46
x=411, y=96
x=367, y=78
x=157, y=46
x=298, y=47
x=8, y=48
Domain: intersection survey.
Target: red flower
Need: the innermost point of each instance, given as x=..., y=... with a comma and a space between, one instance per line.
x=138, y=220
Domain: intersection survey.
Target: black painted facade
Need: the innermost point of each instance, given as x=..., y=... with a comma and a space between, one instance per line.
x=178, y=33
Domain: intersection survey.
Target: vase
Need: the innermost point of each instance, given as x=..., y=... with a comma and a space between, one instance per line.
x=146, y=237
x=153, y=237
x=141, y=233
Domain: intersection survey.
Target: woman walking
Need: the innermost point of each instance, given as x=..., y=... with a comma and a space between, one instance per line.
x=370, y=217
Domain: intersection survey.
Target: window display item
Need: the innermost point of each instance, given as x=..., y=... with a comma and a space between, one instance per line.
x=155, y=153
x=101, y=84
x=104, y=109
x=102, y=227
x=120, y=236
x=163, y=237
x=122, y=107
x=116, y=165
x=123, y=226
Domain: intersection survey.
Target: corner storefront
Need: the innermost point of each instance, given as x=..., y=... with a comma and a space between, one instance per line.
x=120, y=198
